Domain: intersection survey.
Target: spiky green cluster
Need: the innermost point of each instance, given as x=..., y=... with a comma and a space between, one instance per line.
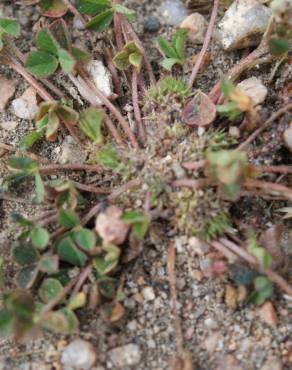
x=167, y=88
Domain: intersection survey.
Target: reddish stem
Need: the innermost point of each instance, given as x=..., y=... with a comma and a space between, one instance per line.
x=194, y=165
x=264, y=126
x=135, y=100
x=74, y=11
x=269, y=187
x=34, y=156
x=22, y=71
x=118, y=31
x=70, y=166
x=113, y=130
x=111, y=108
x=191, y=183
x=114, y=73
x=90, y=188
x=206, y=43
x=272, y=275
x=275, y=169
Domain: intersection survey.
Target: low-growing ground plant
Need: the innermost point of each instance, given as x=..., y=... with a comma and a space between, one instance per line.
x=170, y=166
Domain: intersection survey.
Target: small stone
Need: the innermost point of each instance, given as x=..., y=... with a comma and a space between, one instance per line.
x=288, y=137
x=110, y=227
x=129, y=303
x=151, y=24
x=272, y=363
x=32, y=366
x=173, y=12
x=241, y=293
x=196, y=274
x=78, y=23
x=180, y=283
x=211, y=342
x=7, y=90
x=132, y=325
x=255, y=89
x=268, y=313
x=8, y=125
x=148, y=293
x=231, y=297
x=229, y=362
x=151, y=344
x=101, y=78
x=197, y=26
x=79, y=354
x=234, y=132
x=71, y=152
x=124, y=356
x=26, y=106
x=198, y=246
x=243, y=24
x=210, y=323
x=179, y=172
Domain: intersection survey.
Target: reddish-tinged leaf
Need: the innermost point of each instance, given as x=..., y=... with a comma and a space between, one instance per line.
x=53, y=8
x=200, y=111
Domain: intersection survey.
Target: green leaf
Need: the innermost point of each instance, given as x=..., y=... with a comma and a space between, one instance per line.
x=264, y=289
x=68, y=252
x=108, y=157
x=59, y=31
x=139, y=221
x=107, y=287
x=227, y=87
x=261, y=254
x=67, y=114
x=29, y=140
x=63, y=321
x=46, y=42
x=90, y=123
x=85, y=239
x=169, y=63
x=53, y=8
x=68, y=218
x=49, y=264
x=39, y=189
x=92, y=7
x=9, y=26
x=27, y=276
x=121, y=60
x=100, y=22
x=179, y=42
x=73, y=323
x=16, y=217
x=49, y=289
x=279, y=46
x=128, y=13
x=104, y=266
x=80, y=55
x=23, y=163
x=78, y=301
x=39, y=237
x=25, y=254
x=166, y=48
x=21, y=304
x=6, y=323
x=66, y=60
x=136, y=60
x=52, y=126
x=41, y=64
